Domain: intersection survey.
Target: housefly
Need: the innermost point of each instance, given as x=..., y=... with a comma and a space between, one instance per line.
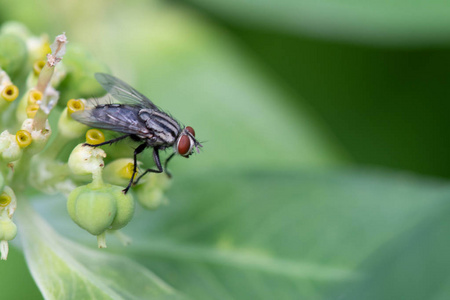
x=138, y=118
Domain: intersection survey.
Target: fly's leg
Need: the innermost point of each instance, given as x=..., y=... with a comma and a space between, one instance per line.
x=158, y=165
x=110, y=142
x=165, y=165
x=138, y=150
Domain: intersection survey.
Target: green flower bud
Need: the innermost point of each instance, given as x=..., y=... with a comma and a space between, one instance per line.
x=119, y=171
x=37, y=47
x=152, y=199
x=13, y=53
x=92, y=209
x=68, y=127
x=97, y=209
x=8, y=201
x=9, y=148
x=150, y=194
x=125, y=208
x=8, y=230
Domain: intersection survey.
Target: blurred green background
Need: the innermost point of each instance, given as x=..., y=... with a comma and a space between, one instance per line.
x=313, y=84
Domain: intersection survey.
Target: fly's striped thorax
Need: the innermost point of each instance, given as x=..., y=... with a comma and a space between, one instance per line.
x=162, y=125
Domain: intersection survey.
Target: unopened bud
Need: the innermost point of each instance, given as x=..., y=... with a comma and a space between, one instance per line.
x=97, y=209
x=8, y=231
x=8, y=201
x=67, y=126
x=9, y=148
x=85, y=160
x=150, y=193
x=119, y=171
x=13, y=53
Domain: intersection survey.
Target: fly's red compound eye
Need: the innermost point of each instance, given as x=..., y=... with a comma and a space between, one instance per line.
x=191, y=130
x=184, y=145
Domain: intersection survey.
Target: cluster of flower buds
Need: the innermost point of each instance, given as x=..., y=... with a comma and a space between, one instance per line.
x=97, y=206
x=42, y=146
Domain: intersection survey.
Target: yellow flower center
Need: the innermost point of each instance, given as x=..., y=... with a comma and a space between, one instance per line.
x=37, y=66
x=127, y=171
x=34, y=96
x=23, y=138
x=5, y=199
x=10, y=93
x=94, y=137
x=74, y=105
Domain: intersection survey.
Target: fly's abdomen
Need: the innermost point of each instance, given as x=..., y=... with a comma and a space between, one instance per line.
x=163, y=126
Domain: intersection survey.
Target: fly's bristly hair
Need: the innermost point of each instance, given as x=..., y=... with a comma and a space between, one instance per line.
x=94, y=102
x=200, y=145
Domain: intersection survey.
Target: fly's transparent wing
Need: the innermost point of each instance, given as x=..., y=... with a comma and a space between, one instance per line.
x=116, y=117
x=123, y=92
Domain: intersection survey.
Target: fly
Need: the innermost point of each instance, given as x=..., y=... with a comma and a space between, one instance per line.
x=138, y=118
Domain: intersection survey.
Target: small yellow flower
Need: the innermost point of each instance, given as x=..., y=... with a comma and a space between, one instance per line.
x=10, y=93
x=5, y=199
x=23, y=138
x=34, y=96
x=94, y=137
x=74, y=105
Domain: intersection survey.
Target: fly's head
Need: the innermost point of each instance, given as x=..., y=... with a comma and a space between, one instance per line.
x=186, y=142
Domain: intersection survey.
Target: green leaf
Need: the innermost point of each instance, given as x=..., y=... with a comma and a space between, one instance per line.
x=17, y=282
x=296, y=235
x=372, y=22
x=66, y=270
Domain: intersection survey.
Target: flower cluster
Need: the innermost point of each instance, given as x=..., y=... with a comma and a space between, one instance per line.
x=42, y=147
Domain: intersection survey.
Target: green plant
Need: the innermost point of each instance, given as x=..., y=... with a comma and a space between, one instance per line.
x=263, y=213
